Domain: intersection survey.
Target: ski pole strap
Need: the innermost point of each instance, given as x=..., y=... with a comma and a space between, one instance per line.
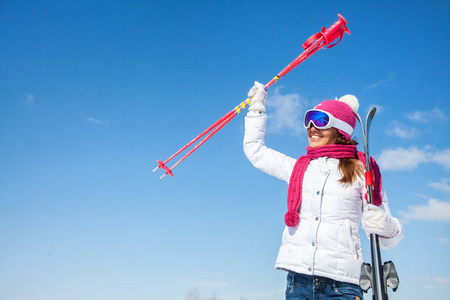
x=311, y=39
x=322, y=33
x=328, y=44
x=370, y=179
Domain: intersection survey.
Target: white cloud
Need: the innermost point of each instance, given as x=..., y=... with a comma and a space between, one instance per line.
x=439, y=284
x=426, y=116
x=401, y=159
x=400, y=130
x=429, y=287
x=285, y=113
x=443, y=241
x=443, y=185
x=442, y=157
x=434, y=210
x=97, y=121
x=383, y=82
x=410, y=158
x=441, y=280
x=208, y=284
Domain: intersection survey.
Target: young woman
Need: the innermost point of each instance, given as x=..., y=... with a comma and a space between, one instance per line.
x=321, y=249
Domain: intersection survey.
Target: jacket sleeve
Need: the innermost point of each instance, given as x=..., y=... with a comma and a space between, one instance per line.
x=389, y=243
x=265, y=159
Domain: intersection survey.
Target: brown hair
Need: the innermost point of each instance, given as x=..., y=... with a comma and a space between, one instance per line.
x=350, y=168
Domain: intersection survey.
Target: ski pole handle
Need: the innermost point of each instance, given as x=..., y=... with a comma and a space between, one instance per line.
x=335, y=31
x=314, y=44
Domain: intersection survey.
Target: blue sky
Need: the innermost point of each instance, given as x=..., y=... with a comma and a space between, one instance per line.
x=93, y=92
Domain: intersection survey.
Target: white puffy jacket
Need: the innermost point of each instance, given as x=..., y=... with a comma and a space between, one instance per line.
x=326, y=241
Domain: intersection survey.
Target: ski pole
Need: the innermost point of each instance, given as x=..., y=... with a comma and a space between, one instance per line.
x=312, y=45
x=163, y=164
x=220, y=124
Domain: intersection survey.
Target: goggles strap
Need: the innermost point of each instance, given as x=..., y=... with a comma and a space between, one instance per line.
x=339, y=124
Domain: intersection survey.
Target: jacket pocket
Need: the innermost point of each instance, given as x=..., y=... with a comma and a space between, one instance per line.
x=353, y=245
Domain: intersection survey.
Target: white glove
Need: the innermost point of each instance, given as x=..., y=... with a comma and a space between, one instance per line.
x=376, y=221
x=258, y=95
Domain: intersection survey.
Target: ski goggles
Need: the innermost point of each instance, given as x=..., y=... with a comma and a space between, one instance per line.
x=324, y=120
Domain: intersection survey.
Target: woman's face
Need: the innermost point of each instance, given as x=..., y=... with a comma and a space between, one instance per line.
x=320, y=137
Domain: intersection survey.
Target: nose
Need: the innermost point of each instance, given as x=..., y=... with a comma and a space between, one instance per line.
x=311, y=125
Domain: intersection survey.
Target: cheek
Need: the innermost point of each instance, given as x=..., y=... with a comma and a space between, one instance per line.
x=331, y=137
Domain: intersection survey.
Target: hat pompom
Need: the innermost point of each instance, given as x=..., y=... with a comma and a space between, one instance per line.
x=351, y=101
x=291, y=219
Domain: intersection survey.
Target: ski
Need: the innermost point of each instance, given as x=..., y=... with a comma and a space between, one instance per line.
x=372, y=271
x=379, y=275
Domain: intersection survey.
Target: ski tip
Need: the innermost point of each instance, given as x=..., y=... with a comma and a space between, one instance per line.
x=372, y=112
x=154, y=170
x=370, y=116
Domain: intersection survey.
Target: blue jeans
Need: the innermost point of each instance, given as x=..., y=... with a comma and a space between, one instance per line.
x=307, y=287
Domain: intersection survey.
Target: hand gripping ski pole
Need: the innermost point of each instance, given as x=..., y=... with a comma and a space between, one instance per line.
x=320, y=40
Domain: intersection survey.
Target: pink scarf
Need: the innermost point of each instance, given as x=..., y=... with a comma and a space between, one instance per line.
x=333, y=151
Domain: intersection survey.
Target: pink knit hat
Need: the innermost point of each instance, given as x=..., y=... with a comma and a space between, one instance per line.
x=343, y=110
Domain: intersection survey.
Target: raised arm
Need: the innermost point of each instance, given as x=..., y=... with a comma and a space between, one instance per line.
x=265, y=159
